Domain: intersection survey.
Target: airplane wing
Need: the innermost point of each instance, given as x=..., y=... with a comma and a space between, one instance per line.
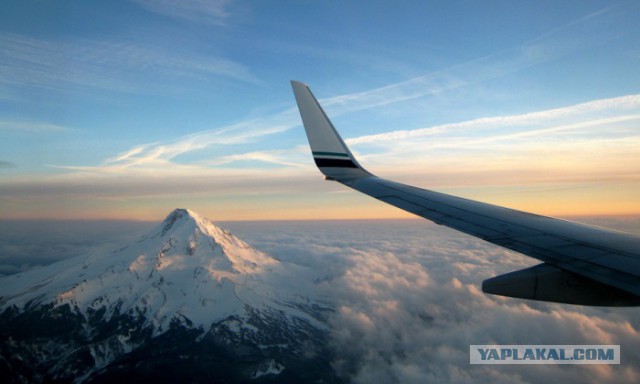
x=581, y=264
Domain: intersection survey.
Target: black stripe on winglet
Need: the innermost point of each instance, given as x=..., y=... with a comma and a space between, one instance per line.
x=335, y=163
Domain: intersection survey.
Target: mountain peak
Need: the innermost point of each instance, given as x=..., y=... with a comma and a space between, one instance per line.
x=185, y=232
x=180, y=215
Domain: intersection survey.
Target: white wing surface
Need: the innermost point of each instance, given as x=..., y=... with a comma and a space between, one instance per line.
x=581, y=264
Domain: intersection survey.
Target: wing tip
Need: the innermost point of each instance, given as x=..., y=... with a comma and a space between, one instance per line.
x=297, y=83
x=330, y=153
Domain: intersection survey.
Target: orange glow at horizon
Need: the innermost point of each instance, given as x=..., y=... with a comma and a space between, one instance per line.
x=549, y=200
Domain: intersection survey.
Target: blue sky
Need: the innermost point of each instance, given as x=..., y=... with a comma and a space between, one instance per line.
x=128, y=109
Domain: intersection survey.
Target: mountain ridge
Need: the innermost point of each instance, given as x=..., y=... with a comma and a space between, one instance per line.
x=185, y=280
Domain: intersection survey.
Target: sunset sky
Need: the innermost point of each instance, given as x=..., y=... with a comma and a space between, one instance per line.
x=128, y=109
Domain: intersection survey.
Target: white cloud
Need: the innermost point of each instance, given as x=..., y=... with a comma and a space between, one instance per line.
x=154, y=155
x=581, y=111
x=278, y=157
x=407, y=312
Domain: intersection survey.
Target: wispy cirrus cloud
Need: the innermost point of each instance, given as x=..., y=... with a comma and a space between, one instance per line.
x=160, y=154
x=213, y=12
x=547, y=47
x=576, y=137
x=510, y=146
x=582, y=111
x=579, y=117
x=121, y=66
x=32, y=127
x=276, y=157
x=561, y=146
x=548, y=153
x=155, y=60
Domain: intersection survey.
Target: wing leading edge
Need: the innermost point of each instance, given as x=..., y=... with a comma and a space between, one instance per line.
x=581, y=264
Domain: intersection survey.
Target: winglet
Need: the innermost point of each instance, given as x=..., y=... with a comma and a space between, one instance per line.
x=331, y=154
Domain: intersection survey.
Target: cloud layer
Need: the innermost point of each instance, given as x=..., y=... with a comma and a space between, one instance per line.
x=409, y=305
x=406, y=293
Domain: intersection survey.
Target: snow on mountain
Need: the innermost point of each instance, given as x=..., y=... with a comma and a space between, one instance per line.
x=186, y=267
x=187, y=279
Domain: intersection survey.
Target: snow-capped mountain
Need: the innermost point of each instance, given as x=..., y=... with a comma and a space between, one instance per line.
x=188, y=293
